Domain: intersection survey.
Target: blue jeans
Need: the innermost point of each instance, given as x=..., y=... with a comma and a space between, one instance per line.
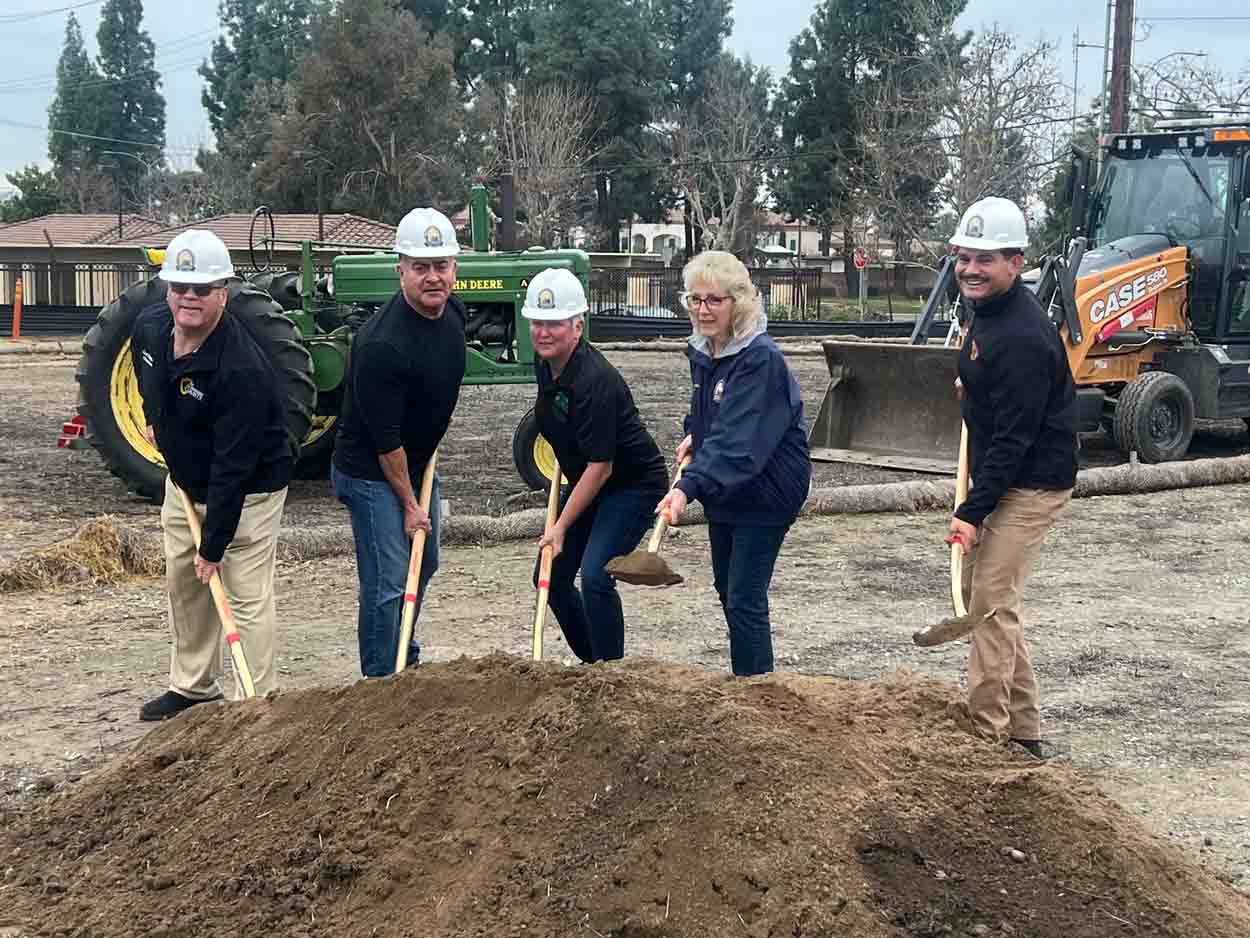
x=742, y=567
x=382, y=552
x=591, y=618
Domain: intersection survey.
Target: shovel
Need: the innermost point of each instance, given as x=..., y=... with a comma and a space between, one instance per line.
x=948, y=630
x=229, y=629
x=647, y=567
x=415, y=556
x=544, y=565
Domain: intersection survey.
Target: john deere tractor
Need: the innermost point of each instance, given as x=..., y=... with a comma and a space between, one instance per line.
x=306, y=324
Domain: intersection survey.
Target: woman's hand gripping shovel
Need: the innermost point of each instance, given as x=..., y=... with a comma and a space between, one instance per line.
x=647, y=567
x=415, y=556
x=544, y=564
x=228, y=628
x=948, y=630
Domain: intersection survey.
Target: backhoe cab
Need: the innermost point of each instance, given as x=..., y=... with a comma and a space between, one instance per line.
x=1151, y=300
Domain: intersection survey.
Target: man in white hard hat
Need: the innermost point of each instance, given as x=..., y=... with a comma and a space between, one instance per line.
x=615, y=470
x=402, y=386
x=213, y=409
x=1019, y=404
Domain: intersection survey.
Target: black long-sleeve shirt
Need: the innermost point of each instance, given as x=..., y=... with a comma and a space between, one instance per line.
x=217, y=418
x=402, y=387
x=1019, y=402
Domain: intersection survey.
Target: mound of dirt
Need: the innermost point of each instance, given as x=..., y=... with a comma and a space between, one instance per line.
x=501, y=797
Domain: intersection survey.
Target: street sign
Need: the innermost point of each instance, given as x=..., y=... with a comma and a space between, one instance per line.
x=861, y=258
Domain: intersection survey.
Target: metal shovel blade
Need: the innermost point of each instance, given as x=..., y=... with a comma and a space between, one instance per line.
x=643, y=568
x=949, y=630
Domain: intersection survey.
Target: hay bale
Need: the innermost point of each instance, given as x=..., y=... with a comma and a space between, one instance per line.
x=100, y=551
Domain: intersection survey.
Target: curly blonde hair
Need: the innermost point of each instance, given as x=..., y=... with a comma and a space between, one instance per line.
x=725, y=272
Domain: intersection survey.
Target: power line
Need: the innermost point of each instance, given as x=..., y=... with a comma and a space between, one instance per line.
x=6, y=18
x=82, y=136
x=1194, y=19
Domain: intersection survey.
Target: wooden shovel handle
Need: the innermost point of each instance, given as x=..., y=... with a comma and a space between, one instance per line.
x=957, y=549
x=653, y=545
x=415, y=556
x=228, y=628
x=544, y=564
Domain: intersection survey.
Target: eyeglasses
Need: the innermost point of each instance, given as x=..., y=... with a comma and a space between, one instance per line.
x=692, y=301
x=199, y=289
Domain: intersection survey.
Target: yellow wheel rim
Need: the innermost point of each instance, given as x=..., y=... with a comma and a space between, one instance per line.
x=128, y=414
x=545, y=459
x=127, y=405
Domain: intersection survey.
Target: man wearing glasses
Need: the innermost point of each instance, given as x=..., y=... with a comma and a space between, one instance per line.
x=402, y=387
x=614, y=468
x=213, y=410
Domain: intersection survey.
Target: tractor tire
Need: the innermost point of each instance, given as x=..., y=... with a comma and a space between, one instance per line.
x=108, y=389
x=1155, y=417
x=534, y=458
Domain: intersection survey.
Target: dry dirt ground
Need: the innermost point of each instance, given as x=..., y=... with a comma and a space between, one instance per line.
x=1137, y=612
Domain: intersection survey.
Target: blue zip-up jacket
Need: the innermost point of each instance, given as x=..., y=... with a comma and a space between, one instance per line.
x=751, y=462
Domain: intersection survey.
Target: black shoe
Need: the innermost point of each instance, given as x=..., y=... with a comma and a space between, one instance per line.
x=1032, y=746
x=169, y=704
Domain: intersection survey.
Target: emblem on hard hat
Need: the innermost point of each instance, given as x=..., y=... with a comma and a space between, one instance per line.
x=185, y=261
x=976, y=227
x=433, y=237
x=546, y=298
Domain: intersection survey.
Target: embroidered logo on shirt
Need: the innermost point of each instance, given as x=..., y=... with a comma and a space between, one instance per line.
x=187, y=387
x=185, y=261
x=147, y=359
x=974, y=353
x=560, y=405
x=718, y=392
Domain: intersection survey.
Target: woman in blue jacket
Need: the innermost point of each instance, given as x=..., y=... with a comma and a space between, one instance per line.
x=750, y=467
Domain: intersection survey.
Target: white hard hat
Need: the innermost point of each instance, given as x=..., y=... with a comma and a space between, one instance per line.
x=554, y=294
x=196, y=256
x=992, y=224
x=426, y=232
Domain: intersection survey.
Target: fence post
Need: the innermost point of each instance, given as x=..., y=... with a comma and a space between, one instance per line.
x=17, y=309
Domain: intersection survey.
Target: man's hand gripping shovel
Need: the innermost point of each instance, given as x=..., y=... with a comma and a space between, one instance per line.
x=961, y=624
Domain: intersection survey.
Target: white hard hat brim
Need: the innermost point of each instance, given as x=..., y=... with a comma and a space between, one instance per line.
x=425, y=254
x=195, y=276
x=550, y=315
x=987, y=244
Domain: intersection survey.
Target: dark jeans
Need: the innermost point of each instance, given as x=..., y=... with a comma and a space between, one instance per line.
x=591, y=618
x=742, y=567
x=382, y=551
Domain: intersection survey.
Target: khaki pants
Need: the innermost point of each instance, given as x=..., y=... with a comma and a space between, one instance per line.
x=197, y=653
x=1002, y=692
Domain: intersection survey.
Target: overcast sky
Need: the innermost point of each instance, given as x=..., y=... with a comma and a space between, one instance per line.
x=183, y=31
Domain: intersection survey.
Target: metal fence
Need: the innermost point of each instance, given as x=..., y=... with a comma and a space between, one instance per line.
x=653, y=294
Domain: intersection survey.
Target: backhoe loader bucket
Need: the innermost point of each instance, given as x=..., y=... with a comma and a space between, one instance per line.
x=889, y=405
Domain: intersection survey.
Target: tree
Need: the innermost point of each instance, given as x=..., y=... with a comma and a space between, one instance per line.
x=131, y=106
x=691, y=35
x=720, y=153
x=376, y=109
x=1177, y=86
x=585, y=43
x=264, y=41
x=38, y=194
x=545, y=137
x=75, y=107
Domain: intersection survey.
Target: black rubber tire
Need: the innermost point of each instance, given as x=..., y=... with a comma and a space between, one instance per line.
x=110, y=335
x=523, y=440
x=1155, y=417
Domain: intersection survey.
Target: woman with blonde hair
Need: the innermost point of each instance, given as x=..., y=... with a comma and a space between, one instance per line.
x=750, y=464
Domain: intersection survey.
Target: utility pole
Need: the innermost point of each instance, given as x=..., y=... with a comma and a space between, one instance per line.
x=1102, y=99
x=1121, y=62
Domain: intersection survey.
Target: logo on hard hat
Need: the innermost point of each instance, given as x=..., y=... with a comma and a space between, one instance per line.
x=433, y=237
x=546, y=298
x=976, y=227
x=185, y=261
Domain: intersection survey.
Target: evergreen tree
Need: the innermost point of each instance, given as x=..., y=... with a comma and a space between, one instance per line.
x=75, y=107
x=691, y=35
x=38, y=195
x=131, y=106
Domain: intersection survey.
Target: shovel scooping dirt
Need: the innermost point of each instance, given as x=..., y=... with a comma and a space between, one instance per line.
x=647, y=567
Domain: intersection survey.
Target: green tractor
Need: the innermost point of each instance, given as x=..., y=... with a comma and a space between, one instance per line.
x=319, y=317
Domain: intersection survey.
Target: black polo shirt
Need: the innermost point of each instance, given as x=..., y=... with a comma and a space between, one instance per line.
x=588, y=415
